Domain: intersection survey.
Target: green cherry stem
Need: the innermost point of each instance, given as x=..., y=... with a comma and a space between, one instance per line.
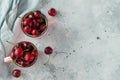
x=19, y=17
x=11, y=43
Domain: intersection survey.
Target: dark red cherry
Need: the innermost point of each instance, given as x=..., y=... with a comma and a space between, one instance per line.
x=34, y=53
x=22, y=63
x=31, y=15
x=35, y=23
x=26, y=45
x=16, y=73
x=37, y=14
x=12, y=55
x=48, y=50
x=52, y=12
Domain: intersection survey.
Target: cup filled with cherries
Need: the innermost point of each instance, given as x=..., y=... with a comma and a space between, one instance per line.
x=23, y=54
x=34, y=23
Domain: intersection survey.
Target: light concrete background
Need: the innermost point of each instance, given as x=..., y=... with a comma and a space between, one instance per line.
x=85, y=39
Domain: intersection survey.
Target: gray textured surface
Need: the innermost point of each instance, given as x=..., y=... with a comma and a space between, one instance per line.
x=85, y=40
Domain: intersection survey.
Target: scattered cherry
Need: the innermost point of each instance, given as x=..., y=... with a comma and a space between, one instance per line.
x=48, y=50
x=52, y=12
x=16, y=73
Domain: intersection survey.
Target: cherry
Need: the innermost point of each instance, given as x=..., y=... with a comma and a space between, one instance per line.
x=35, y=23
x=34, y=53
x=35, y=32
x=52, y=12
x=27, y=21
x=18, y=52
x=22, y=63
x=48, y=50
x=26, y=45
x=27, y=29
x=28, y=57
x=16, y=73
x=12, y=55
x=18, y=45
x=37, y=14
x=31, y=15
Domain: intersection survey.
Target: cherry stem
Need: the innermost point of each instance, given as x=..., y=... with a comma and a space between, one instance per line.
x=19, y=17
x=47, y=60
x=10, y=43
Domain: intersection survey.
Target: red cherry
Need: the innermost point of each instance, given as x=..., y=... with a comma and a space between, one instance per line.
x=28, y=57
x=27, y=29
x=35, y=32
x=48, y=50
x=37, y=14
x=18, y=45
x=18, y=52
x=34, y=53
x=22, y=63
x=52, y=12
x=31, y=15
x=12, y=55
x=27, y=21
x=35, y=23
x=26, y=45
x=16, y=73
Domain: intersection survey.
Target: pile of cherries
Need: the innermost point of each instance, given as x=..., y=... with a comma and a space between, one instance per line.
x=24, y=54
x=34, y=23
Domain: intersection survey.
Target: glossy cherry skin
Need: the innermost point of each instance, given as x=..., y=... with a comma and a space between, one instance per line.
x=12, y=55
x=26, y=45
x=18, y=52
x=16, y=73
x=27, y=21
x=34, y=53
x=27, y=29
x=48, y=50
x=28, y=57
x=31, y=15
x=35, y=32
x=35, y=23
x=22, y=63
x=37, y=14
x=52, y=12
